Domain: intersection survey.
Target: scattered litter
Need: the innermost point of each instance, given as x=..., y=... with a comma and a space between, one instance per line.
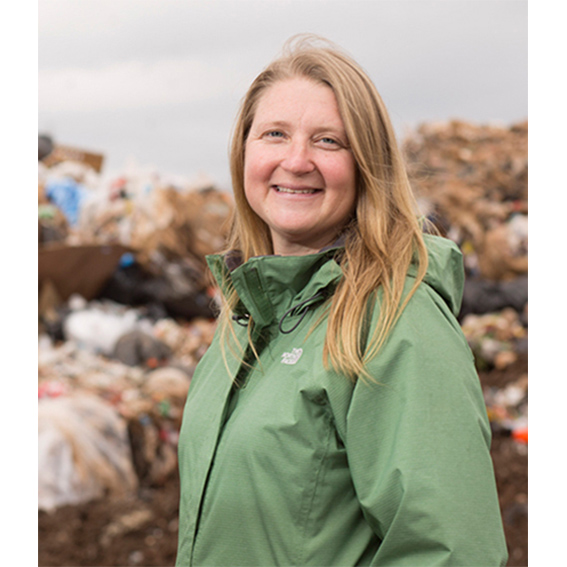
x=125, y=524
x=508, y=409
x=493, y=337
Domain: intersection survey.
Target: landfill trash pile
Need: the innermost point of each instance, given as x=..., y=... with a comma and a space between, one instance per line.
x=124, y=372
x=126, y=310
x=497, y=341
x=472, y=182
x=139, y=238
x=139, y=209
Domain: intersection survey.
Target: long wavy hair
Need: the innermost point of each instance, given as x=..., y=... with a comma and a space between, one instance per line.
x=384, y=236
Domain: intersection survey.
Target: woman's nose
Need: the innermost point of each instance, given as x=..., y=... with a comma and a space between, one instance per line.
x=298, y=159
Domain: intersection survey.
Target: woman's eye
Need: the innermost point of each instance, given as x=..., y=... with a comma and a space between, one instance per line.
x=331, y=143
x=275, y=134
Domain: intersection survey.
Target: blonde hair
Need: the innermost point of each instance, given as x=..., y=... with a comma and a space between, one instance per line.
x=384, y=236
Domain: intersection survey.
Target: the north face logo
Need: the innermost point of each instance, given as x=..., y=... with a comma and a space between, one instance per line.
x=292, y=357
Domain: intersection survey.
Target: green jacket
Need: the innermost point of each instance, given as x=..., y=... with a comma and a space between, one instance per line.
x=301, y=466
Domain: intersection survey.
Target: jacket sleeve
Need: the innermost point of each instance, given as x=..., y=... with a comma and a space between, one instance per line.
x=418, y=447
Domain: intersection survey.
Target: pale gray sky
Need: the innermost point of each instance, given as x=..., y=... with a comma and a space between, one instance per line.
x=159, y=81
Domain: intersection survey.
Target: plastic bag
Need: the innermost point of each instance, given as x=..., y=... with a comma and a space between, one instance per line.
x=83, y=451
x=67, y=195
x=487, y=296
x=99, y=326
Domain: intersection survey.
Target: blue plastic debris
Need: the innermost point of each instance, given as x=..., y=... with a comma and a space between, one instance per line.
x=68, y=195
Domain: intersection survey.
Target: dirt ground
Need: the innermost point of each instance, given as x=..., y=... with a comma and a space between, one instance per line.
x=142, y=530
x=511, y=468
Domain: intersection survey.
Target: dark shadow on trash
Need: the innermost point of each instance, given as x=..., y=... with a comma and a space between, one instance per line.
x=487, y=296
x=176, y=292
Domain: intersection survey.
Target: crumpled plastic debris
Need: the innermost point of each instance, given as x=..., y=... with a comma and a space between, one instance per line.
x=83, y=451
x=99, y=326
x=68, y=196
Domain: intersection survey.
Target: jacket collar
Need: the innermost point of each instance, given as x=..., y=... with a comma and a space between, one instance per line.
x=269, y=286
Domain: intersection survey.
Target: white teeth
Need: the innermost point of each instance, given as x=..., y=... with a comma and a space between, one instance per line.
x=296, y=191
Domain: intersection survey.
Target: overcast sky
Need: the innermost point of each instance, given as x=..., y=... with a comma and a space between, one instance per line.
x=159, y=81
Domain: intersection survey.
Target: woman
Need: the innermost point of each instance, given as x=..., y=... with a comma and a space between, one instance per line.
x=337, y=418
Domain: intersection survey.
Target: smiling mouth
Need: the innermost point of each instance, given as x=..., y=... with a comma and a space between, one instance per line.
x=282, y=189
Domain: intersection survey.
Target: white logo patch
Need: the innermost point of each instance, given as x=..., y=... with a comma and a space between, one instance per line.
x=292, y=357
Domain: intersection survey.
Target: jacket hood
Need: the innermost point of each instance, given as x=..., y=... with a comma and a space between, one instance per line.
x=445, y=271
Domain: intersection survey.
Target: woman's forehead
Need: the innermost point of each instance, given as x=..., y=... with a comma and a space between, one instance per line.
x=296, y=99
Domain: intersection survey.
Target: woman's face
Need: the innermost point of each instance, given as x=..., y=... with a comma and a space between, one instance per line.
x=299, y=173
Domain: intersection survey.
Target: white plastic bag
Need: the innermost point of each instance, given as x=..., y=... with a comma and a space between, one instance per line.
x=84, y=451
x=99, y=326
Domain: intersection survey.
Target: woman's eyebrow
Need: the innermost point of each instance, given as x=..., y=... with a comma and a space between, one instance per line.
x=330, y=128
x=272, y=124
